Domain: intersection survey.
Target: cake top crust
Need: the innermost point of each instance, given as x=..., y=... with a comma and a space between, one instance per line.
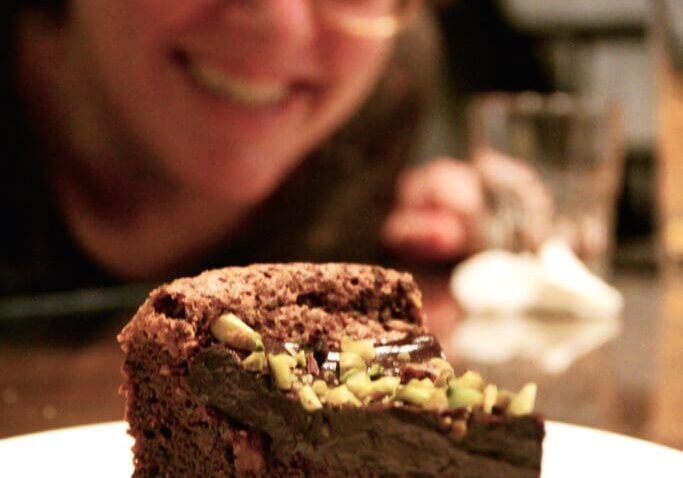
x=295, y=302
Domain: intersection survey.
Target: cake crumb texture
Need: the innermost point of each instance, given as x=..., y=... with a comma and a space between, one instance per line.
x=175, y=434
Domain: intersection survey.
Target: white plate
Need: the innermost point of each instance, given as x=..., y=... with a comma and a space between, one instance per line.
x=103, y=451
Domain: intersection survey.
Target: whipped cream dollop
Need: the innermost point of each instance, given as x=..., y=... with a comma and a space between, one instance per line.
x=552, y=281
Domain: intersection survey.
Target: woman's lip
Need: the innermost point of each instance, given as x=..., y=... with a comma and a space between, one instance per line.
x=248, y=90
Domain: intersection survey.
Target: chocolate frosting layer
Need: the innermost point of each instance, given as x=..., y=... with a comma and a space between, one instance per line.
x=382, y=440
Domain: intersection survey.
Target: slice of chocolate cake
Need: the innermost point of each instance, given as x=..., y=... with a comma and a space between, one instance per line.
x=306, y=370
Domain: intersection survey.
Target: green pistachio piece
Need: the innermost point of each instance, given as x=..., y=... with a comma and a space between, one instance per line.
x=256, y=362
x=469, y=380
x=376, y=370
x=281, y=366
x=364, y=348
x=340, y=396
x=424, y=383
x=385, y=385
x=308, y=398
x=490, y=397
x=437, y=401
x=364, y=388
x=229, y=329
x=524, y=401
x=350, y=363
x=289, y=360
x=459, y=397
x=320, y=388
x=301, y=358
x=413, y=393
x=359, y=384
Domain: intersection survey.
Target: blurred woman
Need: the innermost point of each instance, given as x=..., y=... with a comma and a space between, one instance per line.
x=148, y=138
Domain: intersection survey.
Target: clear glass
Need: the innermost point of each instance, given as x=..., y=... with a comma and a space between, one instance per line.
x=667, y=36
x=551, y=166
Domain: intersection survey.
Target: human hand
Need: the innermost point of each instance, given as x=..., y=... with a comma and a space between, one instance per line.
x=520, y=208
x=437, y=212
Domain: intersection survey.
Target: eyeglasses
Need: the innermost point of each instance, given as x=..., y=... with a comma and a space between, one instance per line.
x=369, y=18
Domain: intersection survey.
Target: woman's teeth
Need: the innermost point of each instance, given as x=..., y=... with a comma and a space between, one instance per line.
x=250, y=93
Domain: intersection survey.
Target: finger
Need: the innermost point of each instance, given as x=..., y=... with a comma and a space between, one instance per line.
x=442, y=183
x=499, y=171
x=425, y=234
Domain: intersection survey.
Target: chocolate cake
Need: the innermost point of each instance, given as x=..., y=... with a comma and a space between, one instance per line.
x=305, y=370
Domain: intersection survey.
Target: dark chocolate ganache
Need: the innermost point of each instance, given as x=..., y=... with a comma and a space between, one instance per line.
x=380, y=439
x=391, y=356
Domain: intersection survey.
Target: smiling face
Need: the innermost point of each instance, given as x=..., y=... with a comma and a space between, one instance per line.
x=227, y=95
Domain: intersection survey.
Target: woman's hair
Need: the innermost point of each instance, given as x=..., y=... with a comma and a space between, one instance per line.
x=9, y=16
x=12, y=121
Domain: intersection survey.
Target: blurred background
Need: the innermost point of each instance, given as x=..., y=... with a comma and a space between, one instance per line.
x=592, y=49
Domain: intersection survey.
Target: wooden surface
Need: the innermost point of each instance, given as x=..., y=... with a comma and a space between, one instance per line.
x=632, y=384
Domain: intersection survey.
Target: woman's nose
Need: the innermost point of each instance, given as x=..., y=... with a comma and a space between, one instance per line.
x=284, y=22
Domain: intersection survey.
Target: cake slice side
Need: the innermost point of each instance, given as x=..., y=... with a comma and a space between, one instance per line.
x=201, y=404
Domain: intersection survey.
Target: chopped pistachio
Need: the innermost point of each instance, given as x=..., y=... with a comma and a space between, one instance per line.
x=437, y=401
x=490, y=397
x=301, y=358
x=423, y=383
x=414, y=393
x=350, y=363
x=375, y=370
x=290, y=361
x=309, y=399
x=359, y=384
x=229, y=329
x=469, y=380
x=385, y=385
x=320, y=388
x=280, y=368
x=524, y=401
x=403, y=356
x=364, y=348
x=464, y=397
x=341, y=395
x=366, y=389
x=256, y=362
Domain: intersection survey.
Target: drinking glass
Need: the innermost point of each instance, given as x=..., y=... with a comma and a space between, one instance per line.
x=667, y=33
x=551, y=166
